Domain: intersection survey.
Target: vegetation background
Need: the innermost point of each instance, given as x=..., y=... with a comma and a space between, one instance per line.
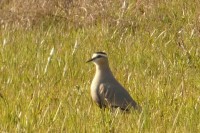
x=153, y=48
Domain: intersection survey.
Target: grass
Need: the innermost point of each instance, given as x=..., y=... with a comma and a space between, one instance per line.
x=153, y=48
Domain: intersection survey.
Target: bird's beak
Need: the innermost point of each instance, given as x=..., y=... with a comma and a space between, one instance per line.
x=90, y=60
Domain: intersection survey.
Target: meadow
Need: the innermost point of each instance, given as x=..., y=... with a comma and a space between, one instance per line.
x=153, y=49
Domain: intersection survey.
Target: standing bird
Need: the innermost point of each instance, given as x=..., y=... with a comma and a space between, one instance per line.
x=106, y=91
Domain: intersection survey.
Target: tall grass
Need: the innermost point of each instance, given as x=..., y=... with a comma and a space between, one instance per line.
x=153, y=48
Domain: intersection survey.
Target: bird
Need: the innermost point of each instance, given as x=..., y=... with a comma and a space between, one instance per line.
x=105, y=90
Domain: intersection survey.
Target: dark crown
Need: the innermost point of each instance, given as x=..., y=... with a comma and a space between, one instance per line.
x=101, y=53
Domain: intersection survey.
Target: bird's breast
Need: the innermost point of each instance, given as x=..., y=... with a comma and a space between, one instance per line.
x=94, y=88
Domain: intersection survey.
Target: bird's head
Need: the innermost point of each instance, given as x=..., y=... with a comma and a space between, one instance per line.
x=99, y=58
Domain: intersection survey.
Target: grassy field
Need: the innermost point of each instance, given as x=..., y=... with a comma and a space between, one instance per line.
x=153, y=48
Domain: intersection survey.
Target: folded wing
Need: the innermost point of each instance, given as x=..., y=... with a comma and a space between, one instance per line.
x=116, y=96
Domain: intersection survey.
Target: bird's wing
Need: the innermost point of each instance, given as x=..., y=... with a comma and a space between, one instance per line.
x=115, y=96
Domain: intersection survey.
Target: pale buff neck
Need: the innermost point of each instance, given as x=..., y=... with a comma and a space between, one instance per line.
x=103, y=69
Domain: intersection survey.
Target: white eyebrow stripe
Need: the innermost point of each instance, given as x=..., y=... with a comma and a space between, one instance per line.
x=95, y=55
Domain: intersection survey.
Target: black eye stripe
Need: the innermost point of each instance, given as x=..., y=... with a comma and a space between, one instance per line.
x=98, y=56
